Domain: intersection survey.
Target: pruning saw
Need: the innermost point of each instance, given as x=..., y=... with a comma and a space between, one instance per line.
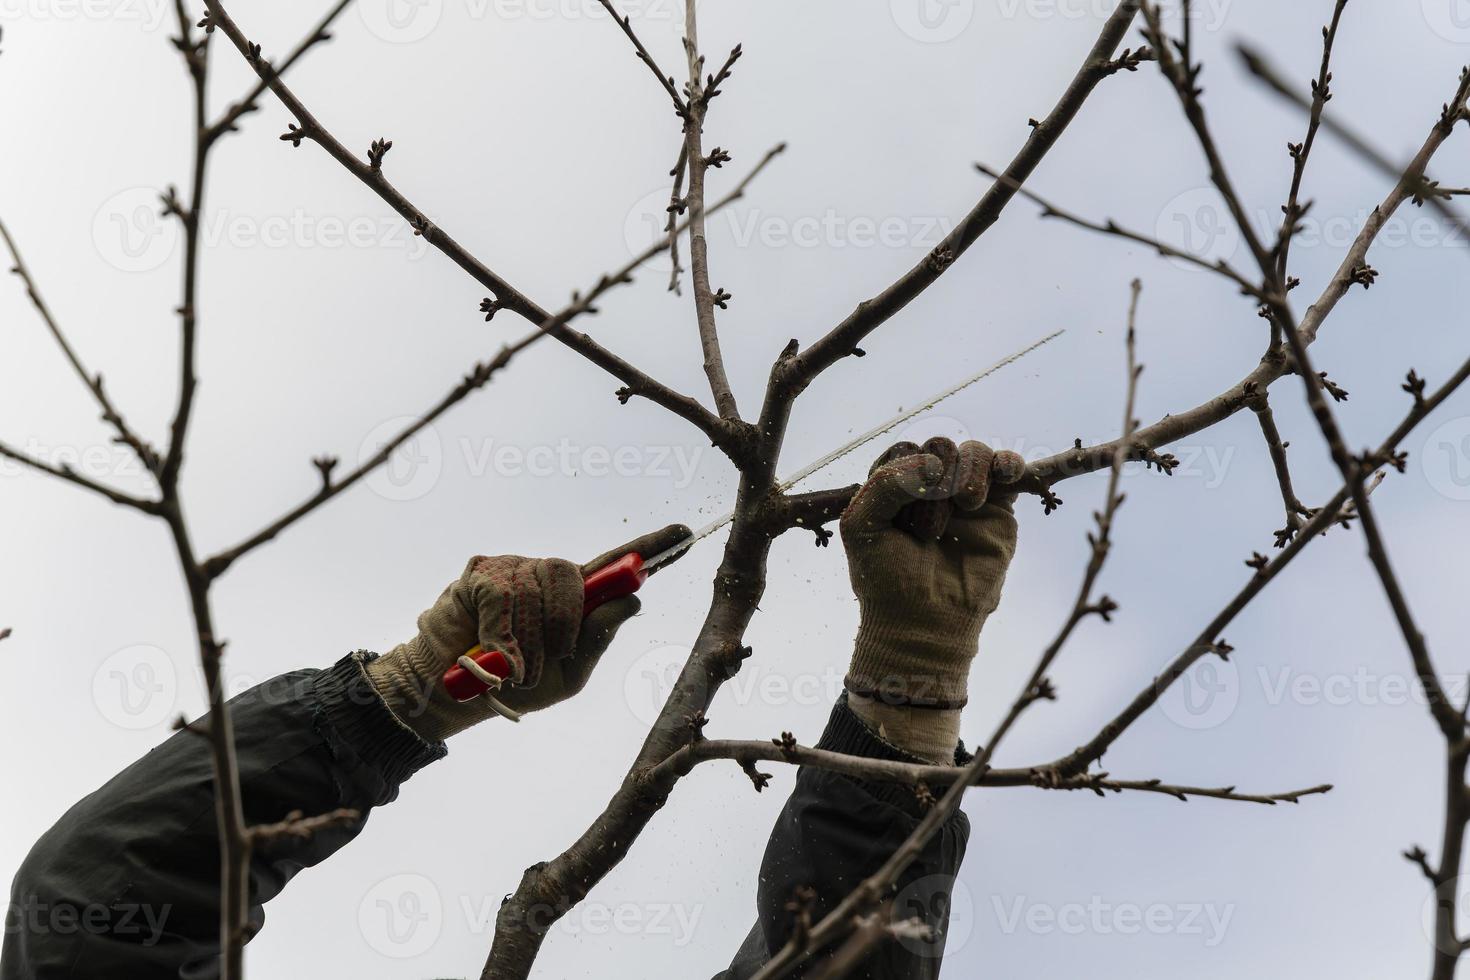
x=481, y=670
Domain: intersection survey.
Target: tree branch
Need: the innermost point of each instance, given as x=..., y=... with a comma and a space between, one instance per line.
x=1262, y=69
x=110, y=414
x=696, y=163
x=722, y=433
x=1110, y=227
x=842, y=339
x=65, y=472
x=479, y=375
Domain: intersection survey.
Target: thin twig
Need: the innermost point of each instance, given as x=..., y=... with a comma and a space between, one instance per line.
x=722, y=432
x=664, y=78
x=696, y=164
x=1259, y=66
x=478, y=376
x=1110, y=227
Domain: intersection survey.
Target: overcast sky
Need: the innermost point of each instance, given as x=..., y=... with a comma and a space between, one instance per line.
x=527, y=129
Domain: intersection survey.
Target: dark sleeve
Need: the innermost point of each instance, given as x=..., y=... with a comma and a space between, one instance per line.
x=835, y=831
x=126, y=884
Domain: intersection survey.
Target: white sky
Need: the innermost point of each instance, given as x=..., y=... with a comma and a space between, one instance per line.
x=527, y=129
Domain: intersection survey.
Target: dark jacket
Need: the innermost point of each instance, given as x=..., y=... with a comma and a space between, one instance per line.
x=126, y=884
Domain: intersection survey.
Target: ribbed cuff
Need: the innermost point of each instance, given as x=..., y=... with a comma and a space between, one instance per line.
x=359, y=717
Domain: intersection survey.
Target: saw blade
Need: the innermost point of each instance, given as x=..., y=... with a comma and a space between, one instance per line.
x=663, y=557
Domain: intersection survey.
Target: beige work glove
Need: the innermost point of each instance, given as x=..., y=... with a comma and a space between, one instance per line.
x=530, y=609
x=928, y=545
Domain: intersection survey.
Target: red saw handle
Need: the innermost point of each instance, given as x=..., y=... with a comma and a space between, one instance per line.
x=612, y=581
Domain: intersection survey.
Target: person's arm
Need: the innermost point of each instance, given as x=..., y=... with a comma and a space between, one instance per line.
x=126, y=884
x=928, y=546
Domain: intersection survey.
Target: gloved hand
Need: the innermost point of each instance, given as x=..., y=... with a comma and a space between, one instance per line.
x=530, y=609
x=928, y=545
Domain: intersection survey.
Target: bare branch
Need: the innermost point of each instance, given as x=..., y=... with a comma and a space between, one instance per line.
x=1110, y=227
x=1259, y=66
x=696, y=164
x=1293, y=210
x=110, y=414
x=842, y=339
x=721, y=432
x=1206, y=641
x=479, y=375
x=786, y=751
x=1295, y=509
x=250, y=102
x=65, y=472
x=664, y=79
x=297, y=826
